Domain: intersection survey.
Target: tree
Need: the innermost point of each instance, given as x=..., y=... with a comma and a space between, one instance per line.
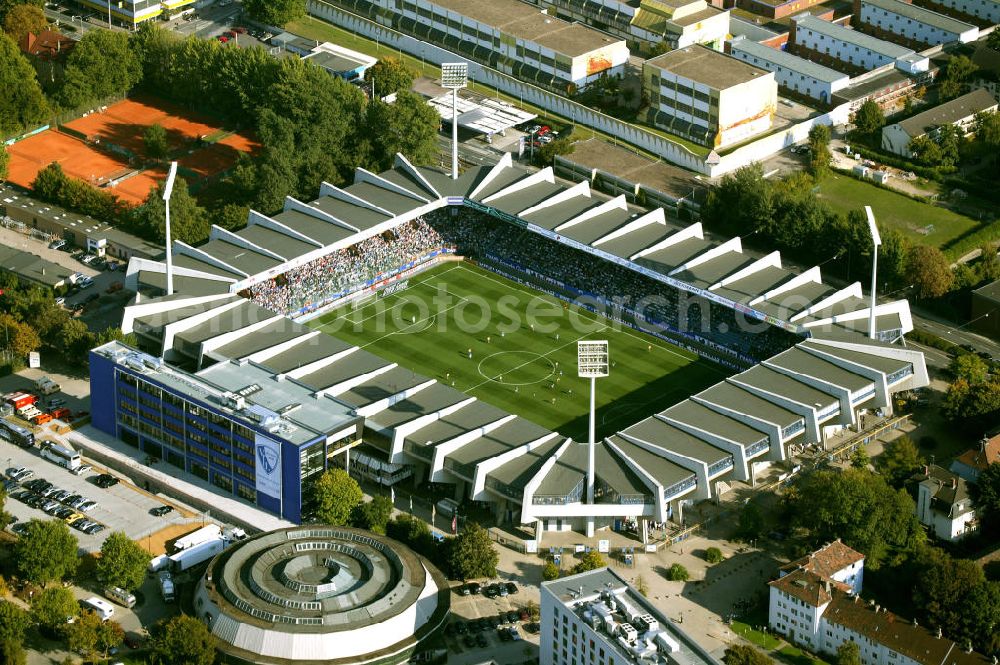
x=970, y=368
x=334, y=495
x=408, y=126
x=4, y=162
x=182, y=640
x=860, y=458
x=372, y=515
x=994, y=41
x=275, y=12
x=110, y=635
x=900, y=458
x=550, y=571
x=415, y=533
x=954, y=595
x=860, y=508
x=714, y=555
x=102, y=64
x=892, y=259
x=869, y=119
x=12, y=653
x=988, y=268
x=23, y=19
x=390, y=75
x=819, y=147
x=123, y=563
x=52, y=607
x=13, y=622
x=46, y=552
x=986, y=497
x=546, y=155
x=928, y=270
x=188, y=220
x=956, y=73
x=155, y=140
x=22, y=104
x=741, y=202
x=848, y=653
x=589, y=560
x=18, y=338
x=751, y=523
x=83, y=634
x=472, y=554
x=677, y=573
x=744, y=654
x=74, y=340
x=7, y=5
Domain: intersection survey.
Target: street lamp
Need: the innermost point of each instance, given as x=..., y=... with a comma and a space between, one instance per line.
x=876, y=243
x=592, y=363
x=168, y=189
x=454, y=75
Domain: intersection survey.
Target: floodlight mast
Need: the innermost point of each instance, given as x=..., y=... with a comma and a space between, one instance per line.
x=876, y=243
x=454, y=75
x=168, y=189
x=592, y=363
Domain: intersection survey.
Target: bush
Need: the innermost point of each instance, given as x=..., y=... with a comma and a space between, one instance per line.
x=550, y=572
x=714, y=555
x=678, y=573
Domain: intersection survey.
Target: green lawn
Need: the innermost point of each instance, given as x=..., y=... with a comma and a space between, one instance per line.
x=764, y=640
x=895, y=211
x=443, y=313
x=313, y=28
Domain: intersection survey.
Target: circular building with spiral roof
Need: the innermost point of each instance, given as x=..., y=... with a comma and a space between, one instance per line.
x=321, y=594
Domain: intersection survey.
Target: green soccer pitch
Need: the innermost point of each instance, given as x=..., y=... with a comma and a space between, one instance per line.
x=431, y=326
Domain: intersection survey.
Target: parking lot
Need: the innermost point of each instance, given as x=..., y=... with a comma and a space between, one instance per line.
x=479, y=621
x=123, y=507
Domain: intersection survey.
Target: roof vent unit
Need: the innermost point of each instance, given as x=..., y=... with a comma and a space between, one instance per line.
x=152, y=363
x=628, y=632
x=646, y=623
x=234, y=401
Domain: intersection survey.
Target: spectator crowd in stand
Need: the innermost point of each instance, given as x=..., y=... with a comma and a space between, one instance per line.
x=548, y=264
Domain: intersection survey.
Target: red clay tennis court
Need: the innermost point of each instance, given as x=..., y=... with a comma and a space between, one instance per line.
x=122, y=124
x=77, y=159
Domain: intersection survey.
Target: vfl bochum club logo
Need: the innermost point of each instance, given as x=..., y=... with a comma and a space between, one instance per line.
x=268, y=458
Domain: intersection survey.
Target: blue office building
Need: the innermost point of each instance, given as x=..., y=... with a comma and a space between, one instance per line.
x=248, y=431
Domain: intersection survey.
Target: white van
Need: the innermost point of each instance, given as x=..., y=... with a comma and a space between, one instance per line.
x=120, y=596
x=101, y=607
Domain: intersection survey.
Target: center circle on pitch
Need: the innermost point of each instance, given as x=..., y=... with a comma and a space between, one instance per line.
x=516, y=368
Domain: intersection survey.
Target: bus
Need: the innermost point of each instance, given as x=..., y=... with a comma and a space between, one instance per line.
x=19, y=436
x=62, y=456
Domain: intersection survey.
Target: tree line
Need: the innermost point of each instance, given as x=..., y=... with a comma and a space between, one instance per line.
x=312, y=127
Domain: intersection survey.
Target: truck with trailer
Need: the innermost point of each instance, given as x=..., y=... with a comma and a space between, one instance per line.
x=207, y=532
x=196, y=554
x=46, y=386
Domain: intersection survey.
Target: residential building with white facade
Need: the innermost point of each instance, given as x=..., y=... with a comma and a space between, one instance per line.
x=852, y=46
x=818, y=612
x=987, y=10
x=709, y=97
x=960, y=112
x=974, y=461
x=790, y=71
x=912, y=23
x=646, y=23
x=596, y=618
x=509, y=35
x=835, y=561
x=943, y=503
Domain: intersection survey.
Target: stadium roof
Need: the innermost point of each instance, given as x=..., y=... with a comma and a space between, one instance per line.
x=683, y=450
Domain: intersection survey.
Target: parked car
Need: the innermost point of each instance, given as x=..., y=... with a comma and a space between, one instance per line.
x=57, y=244
x=511, y=587
x=160, y=511
x=105, y=480
x=87, y=506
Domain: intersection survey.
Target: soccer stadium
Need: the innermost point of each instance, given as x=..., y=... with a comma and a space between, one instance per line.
x=417, y=329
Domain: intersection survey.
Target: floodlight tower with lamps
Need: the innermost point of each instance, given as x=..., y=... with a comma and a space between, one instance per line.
x=592, y=363
x=168, y=189
x=454, y=75
x=876, y=243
